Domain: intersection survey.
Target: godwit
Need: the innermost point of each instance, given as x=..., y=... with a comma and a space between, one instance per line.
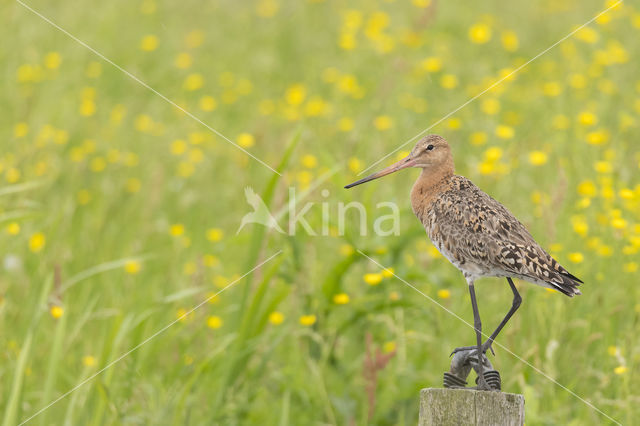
x=475, y=233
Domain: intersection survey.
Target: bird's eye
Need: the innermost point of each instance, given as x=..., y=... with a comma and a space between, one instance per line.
x=430, y=147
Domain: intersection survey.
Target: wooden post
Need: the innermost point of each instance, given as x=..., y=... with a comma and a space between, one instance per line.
x=470, y=407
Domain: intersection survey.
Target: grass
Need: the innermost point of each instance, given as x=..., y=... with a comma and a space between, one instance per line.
x=119, y=213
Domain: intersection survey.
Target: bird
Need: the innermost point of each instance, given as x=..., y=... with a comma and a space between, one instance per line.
x=476, y=233
x=260, y=213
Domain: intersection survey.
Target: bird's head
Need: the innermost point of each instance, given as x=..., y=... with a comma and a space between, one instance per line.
x=430, y=153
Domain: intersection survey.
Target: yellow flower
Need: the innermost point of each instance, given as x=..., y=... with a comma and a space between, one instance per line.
x=245, y=140
x=346, y=250
x=341, y=299
x=552, y=89
x=214, y=322
x=193, y=82
x=605, y=251
x=176, y=229
x=304, y=177
x=504, y=132
x=510, y=41
x=52, y=60
x=133, y=185
x=621, y=369
x=373, y=278
x=132, y=267
x=215, y=234
x=13, y=228
x=194, y=39
x=354, y=165
x=316, y=106
x=267, y=8
x=444, y=294
x=537, y=158
x=603, y=167
x=383, y=122
x=576, y=257
x=490, y=106
x=87, y=107
x=480, y=33
x=630, y=267
x=345, y=124
x=196, y=156
x=37, y=242
x=208, y=103
x=613, y=350
x=454, y=123
x=486, y=168
x=347, y=41
x=587, y=188
x=478, y=138
x=307, y=320
x=89, y=360
x=149, y=43
x=183, y=61
x=587, y=34
x=12, y=175
x=618, y=223
x=388, y=272
x=83, y=197
x=626, y=194
x=401, y=154
x=182, y=315
x=98, y=164
x=598, y=137
x=20, y=130
x=577, y=81
x=276, y=318
x=56, y=311
x=432, y=64
x=580, y=227
x=449, y=81
x=220, y=281
x=423, y=4
x=309, y=161
x=493, y=153
x=295, y=94
x=389, y=347
x=178, y=147
x=587, y=118
x=210, y=260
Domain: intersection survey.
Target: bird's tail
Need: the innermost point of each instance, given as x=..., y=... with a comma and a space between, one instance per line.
x=566, y=283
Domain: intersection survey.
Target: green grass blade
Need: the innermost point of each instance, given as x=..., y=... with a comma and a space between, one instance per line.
x=14, y=401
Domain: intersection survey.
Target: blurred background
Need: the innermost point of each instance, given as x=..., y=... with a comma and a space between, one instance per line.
x=119, y=212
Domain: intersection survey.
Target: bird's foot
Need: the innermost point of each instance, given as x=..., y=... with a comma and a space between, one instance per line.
x=482, y=384
x=490, y=381
x=485, y=346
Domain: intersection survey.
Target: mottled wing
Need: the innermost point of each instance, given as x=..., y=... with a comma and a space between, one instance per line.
x=482, y=236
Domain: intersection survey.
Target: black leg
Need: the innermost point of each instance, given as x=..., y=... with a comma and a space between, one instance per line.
x=517, y=300
x=477, y=323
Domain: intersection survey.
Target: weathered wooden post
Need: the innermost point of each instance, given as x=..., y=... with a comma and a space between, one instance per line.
x=443, y=407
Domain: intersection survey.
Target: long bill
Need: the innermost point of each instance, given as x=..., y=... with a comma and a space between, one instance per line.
x=402, y=164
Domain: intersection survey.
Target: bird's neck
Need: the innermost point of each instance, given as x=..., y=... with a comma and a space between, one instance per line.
x=431, y=182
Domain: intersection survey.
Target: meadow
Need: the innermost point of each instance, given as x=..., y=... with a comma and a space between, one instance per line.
x=120, y=206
